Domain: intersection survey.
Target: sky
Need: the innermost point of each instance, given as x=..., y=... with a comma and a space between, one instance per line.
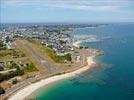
x=29, y=11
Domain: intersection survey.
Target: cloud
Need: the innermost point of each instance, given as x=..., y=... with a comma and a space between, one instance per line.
x=93, y=5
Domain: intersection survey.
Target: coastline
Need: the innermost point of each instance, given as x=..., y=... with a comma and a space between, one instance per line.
x=77, y=43
x=23, y=93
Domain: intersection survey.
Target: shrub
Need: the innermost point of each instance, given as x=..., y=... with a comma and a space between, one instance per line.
x=58, y=58
x=1, y=68
x=2, y=91
x=11, y=74
x=14, y=81
x=30, y=67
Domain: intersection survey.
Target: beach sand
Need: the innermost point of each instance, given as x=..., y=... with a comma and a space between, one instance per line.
x=77, y=44
x=23, y=93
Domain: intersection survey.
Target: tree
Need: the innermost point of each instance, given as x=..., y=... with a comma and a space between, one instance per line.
x=68, y=57
x=14, y=81
x=81, y=47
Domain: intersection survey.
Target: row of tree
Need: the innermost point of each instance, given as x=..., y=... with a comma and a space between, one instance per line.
x=11, y=74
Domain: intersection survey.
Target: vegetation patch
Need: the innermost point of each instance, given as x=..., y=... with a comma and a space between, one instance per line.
x=11, y=74
x=13, y=53
x=2, y=91
x=14, y=81
x=30, y=68
x=2, y=46
x=20, y=69
x=58, y=58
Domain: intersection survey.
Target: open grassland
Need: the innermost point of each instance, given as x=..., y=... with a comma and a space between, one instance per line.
x=11, y=54
x=59, y=59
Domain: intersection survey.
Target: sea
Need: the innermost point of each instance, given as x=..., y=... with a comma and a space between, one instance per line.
x=112, y=80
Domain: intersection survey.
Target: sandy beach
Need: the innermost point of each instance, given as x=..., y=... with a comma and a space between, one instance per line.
x=20, y=95
x=77, y=44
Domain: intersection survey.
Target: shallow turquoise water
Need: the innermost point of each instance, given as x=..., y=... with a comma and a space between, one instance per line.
x=113, y=81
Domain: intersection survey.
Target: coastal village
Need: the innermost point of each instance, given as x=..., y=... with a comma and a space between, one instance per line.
x=66, y=49
x=29, y=53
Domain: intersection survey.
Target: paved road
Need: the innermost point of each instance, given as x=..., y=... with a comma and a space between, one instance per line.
x=38, y=57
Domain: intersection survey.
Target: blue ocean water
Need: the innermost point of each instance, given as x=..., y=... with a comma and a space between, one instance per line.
x=114, y=80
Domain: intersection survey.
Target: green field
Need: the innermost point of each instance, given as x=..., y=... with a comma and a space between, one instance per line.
x=59, y=58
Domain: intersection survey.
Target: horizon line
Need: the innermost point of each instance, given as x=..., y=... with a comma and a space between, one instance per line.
x=60, y=22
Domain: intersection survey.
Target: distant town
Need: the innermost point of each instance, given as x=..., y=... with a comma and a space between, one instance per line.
x=53, y=36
